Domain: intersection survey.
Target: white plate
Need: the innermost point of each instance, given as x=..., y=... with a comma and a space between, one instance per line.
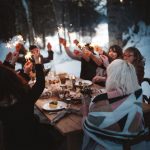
x=87, y=82
x=61, y=105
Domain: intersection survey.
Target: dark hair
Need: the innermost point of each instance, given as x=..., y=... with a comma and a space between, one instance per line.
x=32, y=47
x=138, y=56
x=11, y=84
x=89, y=47
x=138, y=62
x=117, y=49
x=22, y=48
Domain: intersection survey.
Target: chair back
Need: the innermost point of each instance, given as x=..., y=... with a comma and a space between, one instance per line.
x=1, y=137
x=146, y=90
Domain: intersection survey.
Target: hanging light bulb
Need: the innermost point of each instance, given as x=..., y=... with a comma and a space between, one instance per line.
x=121, y=1
x=79, y=3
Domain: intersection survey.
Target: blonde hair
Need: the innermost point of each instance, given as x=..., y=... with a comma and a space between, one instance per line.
x=121, y=75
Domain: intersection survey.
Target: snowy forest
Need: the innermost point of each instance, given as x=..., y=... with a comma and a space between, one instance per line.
x=107, y=22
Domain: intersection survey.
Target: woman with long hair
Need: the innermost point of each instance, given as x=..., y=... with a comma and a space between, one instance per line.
x=134, y=56
x=114, y=52
x=116, y=113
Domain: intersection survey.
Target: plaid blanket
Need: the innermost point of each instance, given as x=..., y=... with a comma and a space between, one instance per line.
x=119, y=116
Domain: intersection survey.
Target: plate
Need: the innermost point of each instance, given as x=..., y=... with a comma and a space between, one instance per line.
x=87, y=82
x=60, y=105
x=83, y=83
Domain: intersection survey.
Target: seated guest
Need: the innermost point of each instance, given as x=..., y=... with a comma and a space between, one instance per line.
x=10, y=61
x=134, y=56
x=116, y=113
x=22, y=52
x=33, y=48
x=17, y=101
x=115, y=52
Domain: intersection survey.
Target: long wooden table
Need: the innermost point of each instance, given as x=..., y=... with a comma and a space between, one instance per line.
x=71, y=125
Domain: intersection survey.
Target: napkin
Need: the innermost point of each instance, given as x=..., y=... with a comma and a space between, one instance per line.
x=64, y=113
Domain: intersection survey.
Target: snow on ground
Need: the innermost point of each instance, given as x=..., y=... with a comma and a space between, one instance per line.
x=141, y=40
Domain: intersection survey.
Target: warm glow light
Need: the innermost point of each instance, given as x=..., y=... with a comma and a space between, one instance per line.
x=101, y=39
x=121, y=1
x=15, y=43
x=20, y=38
x=82, y=44
x=60, y=30
x=38, y=40
x=28, y=55
x=67, y=44
x=8, y=45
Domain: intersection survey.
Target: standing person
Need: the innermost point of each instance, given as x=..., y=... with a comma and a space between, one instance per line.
x=134, y=56
x=17, y=101
x=116, y=113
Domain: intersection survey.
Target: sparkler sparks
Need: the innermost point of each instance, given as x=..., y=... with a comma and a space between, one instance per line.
x=28, y=56
x=8, y=45
x=38, y=40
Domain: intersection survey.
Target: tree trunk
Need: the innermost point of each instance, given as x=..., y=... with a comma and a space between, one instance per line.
x=27, y=8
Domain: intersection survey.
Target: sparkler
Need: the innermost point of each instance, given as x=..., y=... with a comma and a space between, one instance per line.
x=28, y=56
x=38, y=40
x=8, y=45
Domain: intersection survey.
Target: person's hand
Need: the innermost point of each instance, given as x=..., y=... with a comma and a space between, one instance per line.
x=105, y=60
x=87, y=52
x=49, y=46
x=8, y=57
x=14, y=58
x=36, y=56
x=76, y=42
x=77, y=52
x=18, y=47
x=62, y=41
x=98, y=49
x=98, y=79
x=28, y=67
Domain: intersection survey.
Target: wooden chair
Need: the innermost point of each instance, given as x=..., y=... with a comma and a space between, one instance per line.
x=146, y=98
x=127, y=143
x=1, y=137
